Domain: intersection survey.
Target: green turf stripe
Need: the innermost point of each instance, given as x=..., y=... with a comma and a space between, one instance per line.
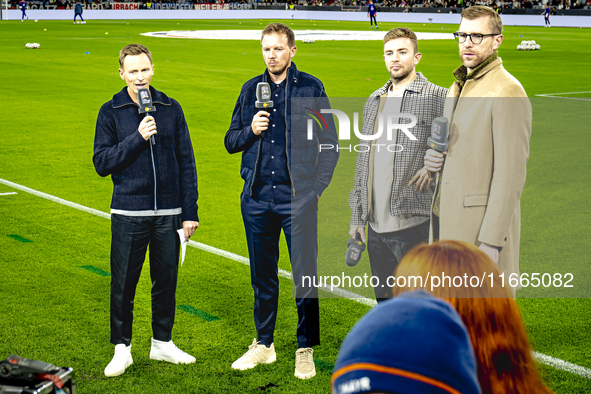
x=197, y=312
x=19, y=238
x=96, y=270
x=323, y=366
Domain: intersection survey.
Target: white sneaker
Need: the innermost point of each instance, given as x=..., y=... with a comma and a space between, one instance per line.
x=121, y=360
x=167, y=351
x=304, y=364
x=256, y=354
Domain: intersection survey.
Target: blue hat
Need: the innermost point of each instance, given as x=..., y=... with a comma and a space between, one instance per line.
x=412, y=344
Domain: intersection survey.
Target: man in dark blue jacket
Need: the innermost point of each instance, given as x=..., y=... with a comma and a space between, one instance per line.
x=23, y=5
x=78, y=12
x=285, y=174
x=154, y=196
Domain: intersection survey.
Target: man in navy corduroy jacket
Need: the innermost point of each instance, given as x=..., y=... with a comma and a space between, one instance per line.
x=154, y=195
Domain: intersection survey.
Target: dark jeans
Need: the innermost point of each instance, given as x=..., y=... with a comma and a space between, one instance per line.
x=263, y=222
x=373, y=18
x=130, y=238
x=387, y=249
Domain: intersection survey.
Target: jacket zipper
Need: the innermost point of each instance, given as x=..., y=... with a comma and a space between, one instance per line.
x=256, y=163
x=154, y=170
x=286, y=138
x=286, y=150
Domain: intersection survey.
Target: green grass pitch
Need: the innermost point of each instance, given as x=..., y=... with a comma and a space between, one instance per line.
x=55, y=310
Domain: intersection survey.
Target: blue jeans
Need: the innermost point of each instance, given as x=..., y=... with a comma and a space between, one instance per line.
x=387, y=249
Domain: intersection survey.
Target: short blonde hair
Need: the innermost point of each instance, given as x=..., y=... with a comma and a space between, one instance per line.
x=281, y=29
x=133, y=50
x=478, y=11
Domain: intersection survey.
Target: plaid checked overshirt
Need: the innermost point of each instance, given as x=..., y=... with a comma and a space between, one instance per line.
x=424, y=100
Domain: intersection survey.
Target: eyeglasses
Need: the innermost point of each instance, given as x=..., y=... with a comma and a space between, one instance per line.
x=476, y=38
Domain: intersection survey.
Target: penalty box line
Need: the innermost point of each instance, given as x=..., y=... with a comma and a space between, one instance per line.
x=543, y=358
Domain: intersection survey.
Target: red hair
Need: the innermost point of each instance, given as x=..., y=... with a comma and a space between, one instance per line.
x=503, y=353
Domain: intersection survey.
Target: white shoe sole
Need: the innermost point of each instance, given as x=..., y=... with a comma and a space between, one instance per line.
x=119, y=371
x=244, y=367
x=302, y=376
x=170, y=360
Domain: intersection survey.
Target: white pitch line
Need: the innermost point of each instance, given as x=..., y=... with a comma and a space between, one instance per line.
x=553, y=94
x=319, y=35
x=553, y=362
x=198, y=245
x=569, y=98
x=8, y=194
x=56, y=199
x=559, y=95
x=564, y=365
x=286, y=274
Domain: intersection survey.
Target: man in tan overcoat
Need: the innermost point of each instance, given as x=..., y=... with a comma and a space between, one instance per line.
x=490, y=126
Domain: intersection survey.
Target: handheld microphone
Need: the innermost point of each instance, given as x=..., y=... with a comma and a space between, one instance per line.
x=263, y=98
x=354, y=251
x=439, y=139
x=144, y=99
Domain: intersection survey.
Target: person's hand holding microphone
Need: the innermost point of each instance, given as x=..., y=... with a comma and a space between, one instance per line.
x=260, y=122
x=438, y=144
x=434, y=160
x=147, y=127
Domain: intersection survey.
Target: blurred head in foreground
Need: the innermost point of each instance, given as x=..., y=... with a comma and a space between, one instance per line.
x=411, y=344
x=491, y=315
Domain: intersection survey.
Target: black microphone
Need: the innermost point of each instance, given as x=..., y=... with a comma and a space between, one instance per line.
x=439, y=139
x=263, y=98
x=354, y=251
x=144, y=99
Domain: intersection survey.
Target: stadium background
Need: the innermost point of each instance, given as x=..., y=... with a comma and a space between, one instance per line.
x=55, y=258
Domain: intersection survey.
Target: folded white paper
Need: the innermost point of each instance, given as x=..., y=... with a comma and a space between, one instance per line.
x=184, y=243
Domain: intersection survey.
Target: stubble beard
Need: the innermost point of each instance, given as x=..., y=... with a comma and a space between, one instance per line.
x=473, y=63
x=277, y=71
x=400, y=75
x=476, y=61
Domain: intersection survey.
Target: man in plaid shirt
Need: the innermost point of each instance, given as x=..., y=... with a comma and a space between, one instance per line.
x=387, y=168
